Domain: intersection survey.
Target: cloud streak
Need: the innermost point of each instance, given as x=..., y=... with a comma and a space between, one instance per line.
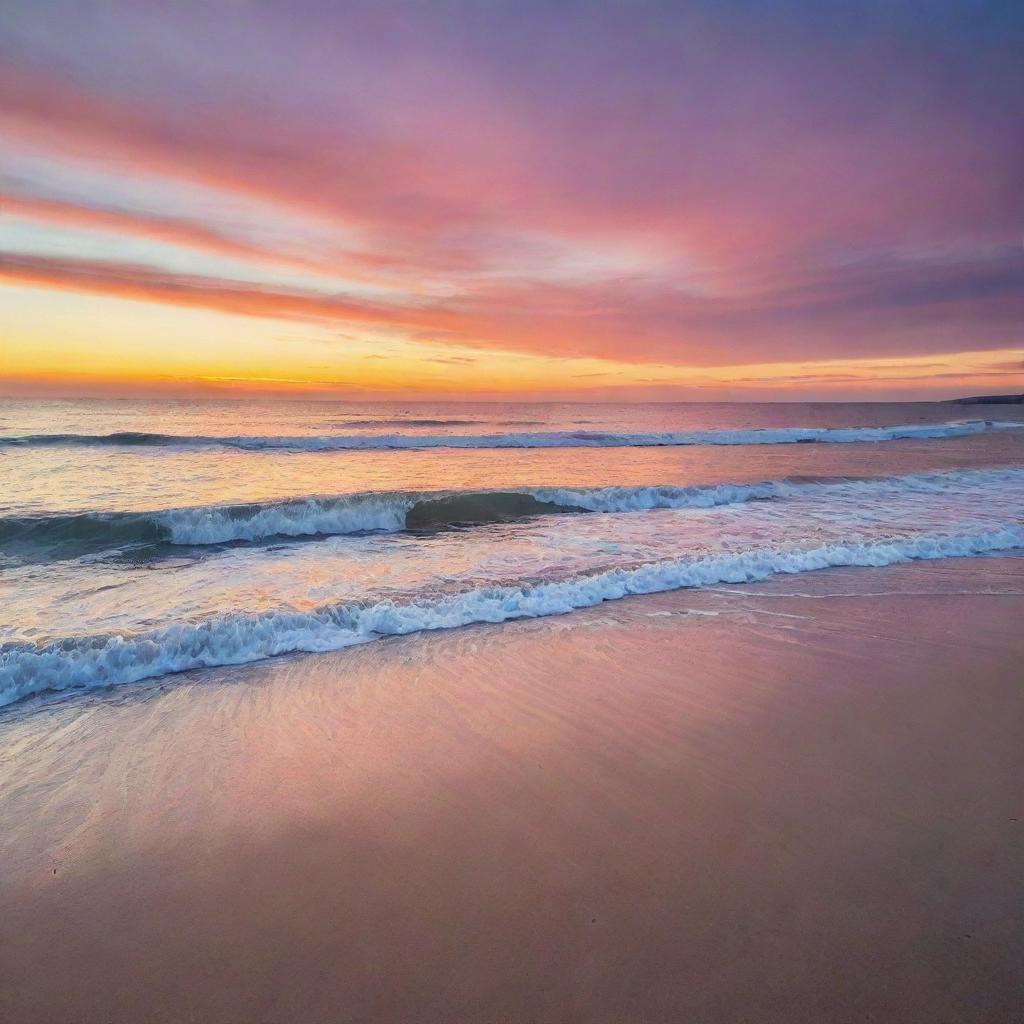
x=142, y=283
x=861, y=311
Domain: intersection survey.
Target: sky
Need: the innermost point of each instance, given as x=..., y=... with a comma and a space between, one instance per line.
x=618, y=200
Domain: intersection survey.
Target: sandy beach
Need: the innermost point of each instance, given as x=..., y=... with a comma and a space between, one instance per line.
x=795, y=801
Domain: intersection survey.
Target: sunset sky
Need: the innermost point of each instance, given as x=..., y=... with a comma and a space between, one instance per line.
x=626, y=199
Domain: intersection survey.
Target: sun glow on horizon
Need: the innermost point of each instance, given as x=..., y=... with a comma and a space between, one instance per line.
x=120, y=348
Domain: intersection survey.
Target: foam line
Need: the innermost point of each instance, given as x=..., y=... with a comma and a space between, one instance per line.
x=28, y=668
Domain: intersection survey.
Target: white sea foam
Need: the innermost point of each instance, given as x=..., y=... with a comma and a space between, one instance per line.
x=388, y=512
x=552, y=439
x=310, y=517
x=595, y=439
x=391, y=512
x=108, y=659
x=629, y=499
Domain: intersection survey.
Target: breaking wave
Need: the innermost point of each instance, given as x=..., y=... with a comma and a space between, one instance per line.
x=106, y=659
x=50, y=537
x=57, y=536
x=555, y=439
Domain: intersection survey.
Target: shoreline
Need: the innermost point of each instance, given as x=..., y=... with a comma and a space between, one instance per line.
x=793, y=800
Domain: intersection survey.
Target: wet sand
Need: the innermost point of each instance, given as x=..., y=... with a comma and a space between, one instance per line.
x=794, y=801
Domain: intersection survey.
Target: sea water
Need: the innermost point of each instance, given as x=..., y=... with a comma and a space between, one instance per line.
x=144, y=538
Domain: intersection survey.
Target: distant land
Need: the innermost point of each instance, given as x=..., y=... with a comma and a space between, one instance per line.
x=989, y=400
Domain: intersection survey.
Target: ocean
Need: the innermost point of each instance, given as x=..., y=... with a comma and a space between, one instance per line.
x=143, y=538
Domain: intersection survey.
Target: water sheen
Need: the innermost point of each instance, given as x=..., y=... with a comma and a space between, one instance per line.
x=156, y=552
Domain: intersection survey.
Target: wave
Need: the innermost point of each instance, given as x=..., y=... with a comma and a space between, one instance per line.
x=28, y=668
x=405, y=422
x=398, y=422
x=555, y=439
x=57, y=536
x=121, y=438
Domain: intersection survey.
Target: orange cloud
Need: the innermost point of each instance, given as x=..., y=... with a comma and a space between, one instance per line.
x=132, y=281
